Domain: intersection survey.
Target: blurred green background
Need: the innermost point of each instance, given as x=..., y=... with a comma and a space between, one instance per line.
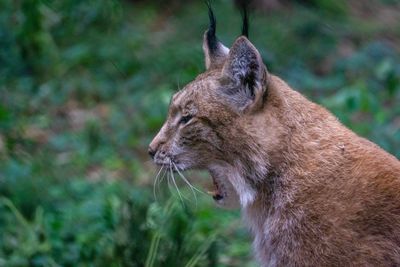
x=85, y=85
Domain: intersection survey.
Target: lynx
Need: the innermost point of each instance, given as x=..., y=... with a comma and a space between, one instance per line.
x=312, y=192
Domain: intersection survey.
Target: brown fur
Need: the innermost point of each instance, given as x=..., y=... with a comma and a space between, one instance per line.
x=312, y=192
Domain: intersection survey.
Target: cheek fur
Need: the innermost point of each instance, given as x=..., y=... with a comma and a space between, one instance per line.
x=199, y=137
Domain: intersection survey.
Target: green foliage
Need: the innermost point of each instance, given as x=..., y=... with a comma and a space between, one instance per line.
x=84, y=85
x=108, y=224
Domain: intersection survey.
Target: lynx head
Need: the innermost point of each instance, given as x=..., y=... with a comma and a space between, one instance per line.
x=207, y=122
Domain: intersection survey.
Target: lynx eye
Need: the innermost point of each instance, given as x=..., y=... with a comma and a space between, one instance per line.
x=185, y=119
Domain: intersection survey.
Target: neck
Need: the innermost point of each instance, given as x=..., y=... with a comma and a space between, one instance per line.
x=290, y=131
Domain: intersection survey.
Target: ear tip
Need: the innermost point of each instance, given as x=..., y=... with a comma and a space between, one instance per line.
x=243, y=40
x=241, y=44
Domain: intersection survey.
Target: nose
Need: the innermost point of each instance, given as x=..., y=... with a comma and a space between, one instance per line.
x=152, y=152
x=157, y=142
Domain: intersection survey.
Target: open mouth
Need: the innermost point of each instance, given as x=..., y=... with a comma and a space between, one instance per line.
x=217, y=192
x=222, y=190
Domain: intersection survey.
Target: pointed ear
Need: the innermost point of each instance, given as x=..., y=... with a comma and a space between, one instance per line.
x=244, y=76
x=214, y=51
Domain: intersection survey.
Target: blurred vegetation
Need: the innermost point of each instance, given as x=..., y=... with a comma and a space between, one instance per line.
x=84, y=86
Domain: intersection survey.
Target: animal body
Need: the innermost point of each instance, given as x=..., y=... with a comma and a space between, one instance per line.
x=312, y=192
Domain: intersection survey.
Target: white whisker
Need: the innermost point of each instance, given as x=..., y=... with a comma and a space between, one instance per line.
x=169, y=181
x=173, y=180
x=165, y=171
x=155, y=182
x=187, y=181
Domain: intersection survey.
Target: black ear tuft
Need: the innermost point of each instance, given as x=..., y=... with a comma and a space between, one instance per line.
x=245, y=18
x=243, y=6
x=212, y=40
x=215, y=52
